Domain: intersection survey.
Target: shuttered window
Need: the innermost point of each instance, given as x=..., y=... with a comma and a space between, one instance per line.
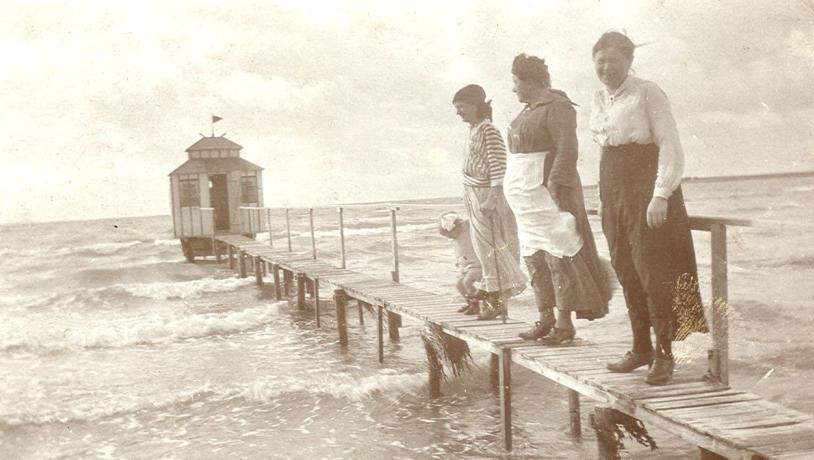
x=190, y=192
x=248, y=190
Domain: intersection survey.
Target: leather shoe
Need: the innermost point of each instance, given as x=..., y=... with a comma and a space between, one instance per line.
x=559, y=337
x=538, y=331
x=630, y=362
x=662, y=371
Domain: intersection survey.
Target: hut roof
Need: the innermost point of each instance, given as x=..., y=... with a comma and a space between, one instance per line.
x=215, y=165
x=213, y=143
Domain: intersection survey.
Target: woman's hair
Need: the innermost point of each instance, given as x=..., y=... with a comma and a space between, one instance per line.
x=613, y=39
x=475, y=95
x=527, y=67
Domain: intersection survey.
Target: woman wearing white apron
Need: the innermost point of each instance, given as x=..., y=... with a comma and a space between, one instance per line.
x=544, y=191
x=494, y=233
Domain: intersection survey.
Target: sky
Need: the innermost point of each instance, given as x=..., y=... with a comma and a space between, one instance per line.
x=351, y=101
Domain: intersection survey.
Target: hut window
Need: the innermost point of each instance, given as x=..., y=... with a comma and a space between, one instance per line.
x=248, y=189
x=190, y=192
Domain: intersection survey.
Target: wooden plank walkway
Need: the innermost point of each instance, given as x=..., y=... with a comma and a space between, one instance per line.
x=718, y=419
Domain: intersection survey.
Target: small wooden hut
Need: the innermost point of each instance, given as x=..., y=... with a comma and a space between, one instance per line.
x=208, y=190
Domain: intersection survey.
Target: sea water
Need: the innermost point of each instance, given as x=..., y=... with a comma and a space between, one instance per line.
x=112, y=346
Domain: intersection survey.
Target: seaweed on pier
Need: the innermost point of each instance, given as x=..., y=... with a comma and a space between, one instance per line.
x=688, y=307
x=444, y=348
x=610, y=426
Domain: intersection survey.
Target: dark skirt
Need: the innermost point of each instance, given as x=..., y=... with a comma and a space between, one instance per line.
x=659, y=263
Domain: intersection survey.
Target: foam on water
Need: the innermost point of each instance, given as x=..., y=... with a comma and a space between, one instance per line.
x=143, y=329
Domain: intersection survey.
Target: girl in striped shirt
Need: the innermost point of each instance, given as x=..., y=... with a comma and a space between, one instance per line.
x=493, y=227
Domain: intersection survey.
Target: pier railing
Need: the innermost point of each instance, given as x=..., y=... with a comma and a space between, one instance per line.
x=259, y=219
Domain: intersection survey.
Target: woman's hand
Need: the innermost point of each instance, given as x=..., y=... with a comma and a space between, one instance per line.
x=656, y=212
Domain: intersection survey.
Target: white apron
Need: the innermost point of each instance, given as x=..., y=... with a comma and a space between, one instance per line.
x=540, y=223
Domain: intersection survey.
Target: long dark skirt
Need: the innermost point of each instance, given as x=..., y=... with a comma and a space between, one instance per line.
x=656, y=267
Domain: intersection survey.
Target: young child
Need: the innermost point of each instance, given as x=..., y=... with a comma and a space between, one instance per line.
x=452, y=226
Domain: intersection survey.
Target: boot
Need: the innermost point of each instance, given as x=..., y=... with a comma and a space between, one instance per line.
x=662, y=371
x=631, y=361
x=473, y=308
x=468, y=305
x=541, y=328
x=559, y=337
x=493, y=307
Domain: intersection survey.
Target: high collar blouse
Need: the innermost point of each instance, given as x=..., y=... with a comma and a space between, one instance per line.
x=639, y=112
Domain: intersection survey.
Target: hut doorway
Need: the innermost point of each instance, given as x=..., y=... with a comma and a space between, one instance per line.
x=219, y=200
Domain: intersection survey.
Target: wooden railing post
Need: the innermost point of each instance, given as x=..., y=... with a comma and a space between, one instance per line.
x=268, y=224
x=342, y=237
x=393, y=319
x=313, y=240
x=393, y=227
x=719, y=353
x=288, y=229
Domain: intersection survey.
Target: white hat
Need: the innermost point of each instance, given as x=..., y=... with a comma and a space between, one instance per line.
x=448, y=220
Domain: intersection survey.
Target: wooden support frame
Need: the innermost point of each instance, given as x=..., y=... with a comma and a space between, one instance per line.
x=230, y=254
x=301, y=290
x=258, y=271
x=505, y=390
x=380, y=332
x=340, y=299
x=241, y=263
x=573, y=413
x=316, y=302
x=275, y=272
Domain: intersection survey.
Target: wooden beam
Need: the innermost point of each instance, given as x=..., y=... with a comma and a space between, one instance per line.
x=258, y=271
x=340, y=299
x=573, y=412
x=300, y=290
x=380, y=332
x=316, y=301
x=241, y=263
x=719, y=353
x=275, y=271
x=505, y=359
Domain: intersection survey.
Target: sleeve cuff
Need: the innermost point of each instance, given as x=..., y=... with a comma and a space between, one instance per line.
x=496, y=182
x=662, y=192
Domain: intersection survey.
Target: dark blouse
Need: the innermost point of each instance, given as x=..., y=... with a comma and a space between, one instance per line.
x=549, y=126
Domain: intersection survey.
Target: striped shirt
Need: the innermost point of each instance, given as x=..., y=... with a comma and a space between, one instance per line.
x=485, y=164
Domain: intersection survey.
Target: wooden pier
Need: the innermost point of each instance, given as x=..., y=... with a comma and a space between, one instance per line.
x=706, y=412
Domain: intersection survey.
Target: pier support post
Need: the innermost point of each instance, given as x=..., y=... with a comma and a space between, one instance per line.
x=241, y=263
x=494, y=371
x=719, y=353
x=380, y=332
x=216, y=249
x=300, y=290
x=393, y=325
x=341, y=322
x=258, y=271
x=316, y=301
x=361, y=306
x=230, y=254
x=275, y=272
x=288, y=278
x=506, y=397
x=434, y=376
x=573, y=412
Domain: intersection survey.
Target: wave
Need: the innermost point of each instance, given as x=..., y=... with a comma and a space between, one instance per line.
x=143, y=331
x=181, y=289
x=386, y=383
x=88, y=250
x=340, y=386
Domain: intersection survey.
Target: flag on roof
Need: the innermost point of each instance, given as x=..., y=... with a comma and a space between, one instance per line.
x=216, y=118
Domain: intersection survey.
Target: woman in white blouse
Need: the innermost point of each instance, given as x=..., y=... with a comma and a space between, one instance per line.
x=643, y=214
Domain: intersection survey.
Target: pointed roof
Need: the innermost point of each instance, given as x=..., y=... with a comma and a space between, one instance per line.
x=215, y=165
x=213, y=143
